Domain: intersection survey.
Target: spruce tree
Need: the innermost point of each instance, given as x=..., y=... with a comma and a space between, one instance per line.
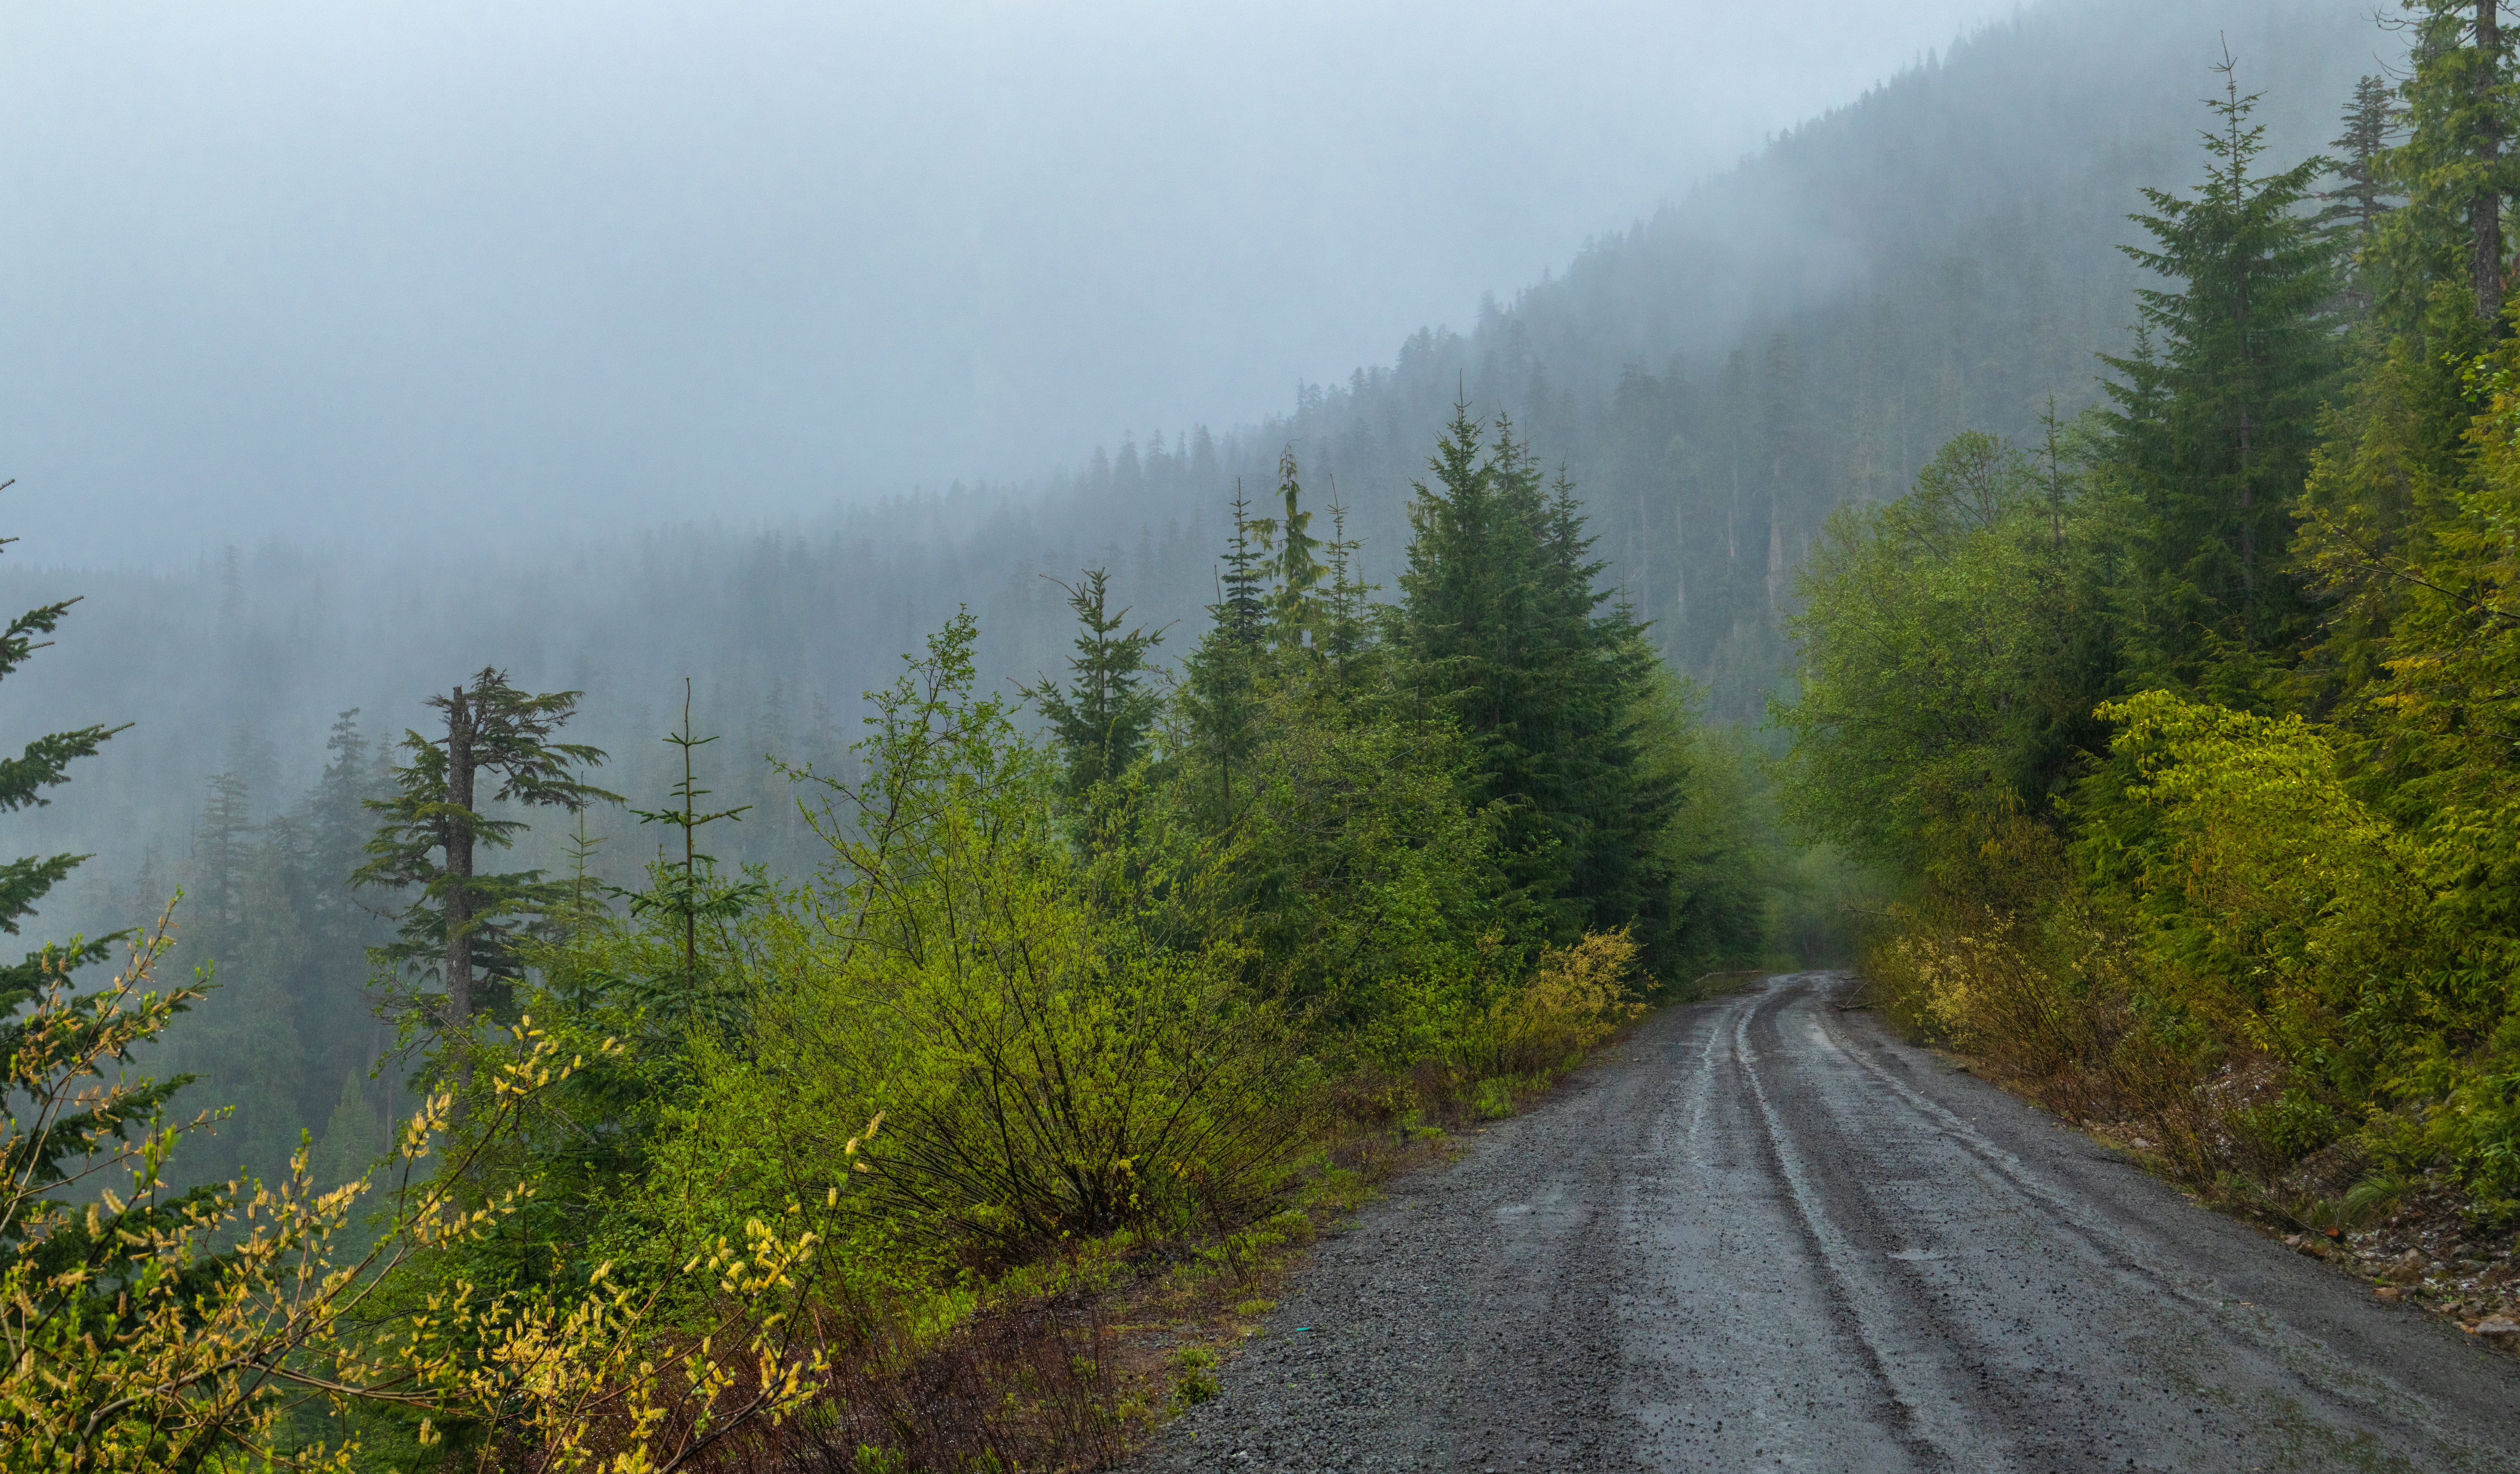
x=2217, y=411
x=2455, y=167
x=2363, y=195
x=1296, y=608
x=43, y=764
x=44, y=1017
x=435, y=828
x=1221, y=677
x=683, y=892
x=1102, y=718
x=1500, y=627
x=1347, y=630
x=2396, y=460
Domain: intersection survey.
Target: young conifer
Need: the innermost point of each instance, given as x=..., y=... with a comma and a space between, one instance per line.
x=1102, y=718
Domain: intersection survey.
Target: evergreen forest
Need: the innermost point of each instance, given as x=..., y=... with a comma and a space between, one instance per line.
x=749, y=998
x=2178, y=721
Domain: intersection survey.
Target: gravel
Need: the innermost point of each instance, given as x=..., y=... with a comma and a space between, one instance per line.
x=1765, y=1234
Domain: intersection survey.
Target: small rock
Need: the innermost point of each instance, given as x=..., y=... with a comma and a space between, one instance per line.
x=2293, y=1240
x=2500, y=1329
x=2389, y=1294
x=2409, y=1268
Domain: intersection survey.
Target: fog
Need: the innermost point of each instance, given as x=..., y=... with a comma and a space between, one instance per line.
x=390, y=276
x=352, y=350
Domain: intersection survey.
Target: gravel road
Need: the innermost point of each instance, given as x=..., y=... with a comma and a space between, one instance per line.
x=1766, y=1234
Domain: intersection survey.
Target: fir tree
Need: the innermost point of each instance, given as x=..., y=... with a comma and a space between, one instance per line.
x=1500, y=627
x=2454, y=165
x=1221, y=677
x=222, y=849
x=1347, y=632
x=1101, y=719
x=2396, y=458
x=435, y=830
x=2217, y=409
x=41, y=1016
x=682, y=891
x=2363, y=195
x=1296, y=611
x=1241, y=612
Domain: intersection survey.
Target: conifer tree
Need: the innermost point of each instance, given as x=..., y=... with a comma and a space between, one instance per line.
x=682, y=891
x=1500, y=627
x=222, y=850
x=1346, y=631
x=1101, y=719
x=1241, y=612
x=2396, y=458
x=2217, y=411
x=1295, y=606
x=2363, y=195
x=2454, y=165
x=1221, y=677
x=435, y=828
x=43, y=1019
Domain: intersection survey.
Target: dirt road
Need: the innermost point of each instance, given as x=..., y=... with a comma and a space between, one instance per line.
x=1765, y=1234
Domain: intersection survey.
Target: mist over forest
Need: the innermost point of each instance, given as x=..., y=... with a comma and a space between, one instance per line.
x=1797, y=332
x=1669, y=422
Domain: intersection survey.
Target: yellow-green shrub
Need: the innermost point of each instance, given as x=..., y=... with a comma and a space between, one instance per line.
x=1571, y=1000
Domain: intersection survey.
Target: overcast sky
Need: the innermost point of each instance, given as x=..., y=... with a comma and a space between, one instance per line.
x=395, y=274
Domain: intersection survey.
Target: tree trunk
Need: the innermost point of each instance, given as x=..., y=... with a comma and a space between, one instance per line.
x=2485, y=211
x=459, y=725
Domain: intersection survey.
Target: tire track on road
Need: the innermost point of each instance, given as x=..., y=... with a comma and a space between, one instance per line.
x=1759, y=1233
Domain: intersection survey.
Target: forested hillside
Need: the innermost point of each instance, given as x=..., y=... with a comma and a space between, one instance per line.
x=2187, y=728
x=1797, y=334
x=783, y=980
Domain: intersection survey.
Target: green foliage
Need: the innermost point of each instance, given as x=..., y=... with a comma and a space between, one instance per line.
x=2217, y=411
x=1953, y=645
x=2454, y=167
x=436, y=822
x=2363, y=195
x=1101, y=721
x=1499, y=629
x=1054, y=1051
x=1079, y=997
x=685, y=894
x=2274, y=907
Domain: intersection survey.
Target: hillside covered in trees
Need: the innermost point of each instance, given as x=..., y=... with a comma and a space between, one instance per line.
x=2108, y=523
x=2184, y=726
x=1798, y=333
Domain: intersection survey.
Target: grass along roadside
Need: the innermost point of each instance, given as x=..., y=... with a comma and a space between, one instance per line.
x=2414, y=1237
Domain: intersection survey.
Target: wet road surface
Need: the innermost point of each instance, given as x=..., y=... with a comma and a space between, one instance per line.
x=1766, y=1234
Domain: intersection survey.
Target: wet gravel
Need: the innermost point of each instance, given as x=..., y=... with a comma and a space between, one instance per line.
x=1765, y=1234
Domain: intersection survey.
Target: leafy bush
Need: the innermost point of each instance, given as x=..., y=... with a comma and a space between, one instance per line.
x=1054, y=1058
x=211, y=1322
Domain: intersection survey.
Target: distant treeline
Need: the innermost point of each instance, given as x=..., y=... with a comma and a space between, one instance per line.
x=1797, y=334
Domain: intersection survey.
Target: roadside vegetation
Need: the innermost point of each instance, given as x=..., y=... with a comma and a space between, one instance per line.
x=2186, y=731
x=1103, y=995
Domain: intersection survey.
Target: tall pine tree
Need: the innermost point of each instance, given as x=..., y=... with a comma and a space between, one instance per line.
x=2216, y=413
x=1500, y=627
x=435, y=828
